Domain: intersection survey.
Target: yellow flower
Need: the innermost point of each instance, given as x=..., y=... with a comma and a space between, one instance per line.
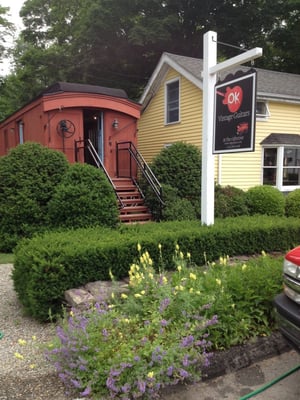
x=150, y=261
x=143, y=292
x=219, y=282
x=19, y=356
x=191, y=290
x=112, y=295
x=188, y=255
x=126, y=320
x=198, y=292
x=111, y=274
x=177, y=247
x=181, y=287
x=150, y=275
x=32, y=366
x=233, y=305
x=165, y=280
x=137, y=295
x=139, y=247
x=22, y=342
x=244, y=267
x=181, y=255
x=124, y=296
x=33, y=337
x=263, y=253
x=150, y=374
x=193, y=276
x=159, y=246
x=179, y=268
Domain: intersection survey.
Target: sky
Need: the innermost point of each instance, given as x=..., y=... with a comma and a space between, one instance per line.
x=12, y=16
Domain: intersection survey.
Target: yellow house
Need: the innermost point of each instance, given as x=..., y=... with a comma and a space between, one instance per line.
x=172, y=112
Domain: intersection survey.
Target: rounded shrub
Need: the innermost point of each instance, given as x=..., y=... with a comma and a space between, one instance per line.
x=83, y=198
x=179, y=167
x=265, y=200
x=292, y=204
x=29, y=175
x=230, y=201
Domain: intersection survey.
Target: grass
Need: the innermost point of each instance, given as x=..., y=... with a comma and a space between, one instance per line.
x=6, y=258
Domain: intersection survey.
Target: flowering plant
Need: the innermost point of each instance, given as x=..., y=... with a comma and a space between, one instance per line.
x=150, y=337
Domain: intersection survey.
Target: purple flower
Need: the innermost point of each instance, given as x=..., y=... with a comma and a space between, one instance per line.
x=170, y=370
x=110, y=383
x=185, y=361
x=187, y=341
x=104, y=332
x=125, y=388
x=183, y=373
x=141, y=386
x=163, y=322
x=75, y=383
x=164, y=304
x=87, y=391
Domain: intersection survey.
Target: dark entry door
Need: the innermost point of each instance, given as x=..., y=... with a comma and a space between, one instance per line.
x=93, y=130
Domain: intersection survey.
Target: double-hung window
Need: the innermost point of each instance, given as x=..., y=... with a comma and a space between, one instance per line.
x=281, y=163
x=172, y=101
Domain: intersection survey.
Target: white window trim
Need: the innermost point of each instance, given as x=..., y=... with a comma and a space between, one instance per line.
x=166, y=108
x=279, y=169
x=266, y=116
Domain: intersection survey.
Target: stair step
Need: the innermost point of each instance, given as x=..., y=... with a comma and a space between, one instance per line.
x=133, y=202
x=129, y=195
x=134, y=210
x=135, y=217
x=125, y=188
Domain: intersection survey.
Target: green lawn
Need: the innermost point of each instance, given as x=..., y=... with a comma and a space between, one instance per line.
x=6, y=258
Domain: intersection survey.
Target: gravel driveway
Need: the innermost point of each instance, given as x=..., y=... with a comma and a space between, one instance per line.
x=24, y=374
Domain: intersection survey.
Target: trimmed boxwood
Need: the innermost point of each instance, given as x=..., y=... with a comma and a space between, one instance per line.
x=266, y=200
x=29, y=175
x=49, y=264
x=292, y=204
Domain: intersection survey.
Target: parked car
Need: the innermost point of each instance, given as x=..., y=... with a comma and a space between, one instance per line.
x=287, y=304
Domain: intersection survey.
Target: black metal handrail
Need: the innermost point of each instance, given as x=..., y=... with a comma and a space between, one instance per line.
x=99, y=164
x=143, y=167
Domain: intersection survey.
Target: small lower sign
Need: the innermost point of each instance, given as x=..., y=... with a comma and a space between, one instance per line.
x=235, y=109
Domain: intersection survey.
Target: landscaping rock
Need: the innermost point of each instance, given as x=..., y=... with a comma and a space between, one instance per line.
x=93, y=292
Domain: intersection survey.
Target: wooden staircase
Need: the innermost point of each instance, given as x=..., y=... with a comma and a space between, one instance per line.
x=134, y=210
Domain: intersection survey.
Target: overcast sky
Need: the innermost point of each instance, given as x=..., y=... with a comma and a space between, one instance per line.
x=13, y=16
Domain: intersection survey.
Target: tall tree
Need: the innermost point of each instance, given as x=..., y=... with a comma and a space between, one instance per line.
x=6, y=29
x=117, y=43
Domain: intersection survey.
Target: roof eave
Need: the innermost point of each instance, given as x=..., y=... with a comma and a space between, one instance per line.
x=163, y=66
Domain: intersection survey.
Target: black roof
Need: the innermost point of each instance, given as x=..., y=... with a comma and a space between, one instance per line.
x=282, y=139
x=60, y=87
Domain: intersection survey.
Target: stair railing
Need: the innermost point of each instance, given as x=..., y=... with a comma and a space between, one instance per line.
x=142, y=166
x=99, y=164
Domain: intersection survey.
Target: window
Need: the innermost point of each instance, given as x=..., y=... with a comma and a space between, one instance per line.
x=262, y=110
x=281, y=167
x=172, y=102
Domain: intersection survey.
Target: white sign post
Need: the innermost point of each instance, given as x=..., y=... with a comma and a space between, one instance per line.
x=210, y=70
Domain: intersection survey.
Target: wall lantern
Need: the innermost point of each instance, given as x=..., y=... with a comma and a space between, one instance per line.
x=115, y=124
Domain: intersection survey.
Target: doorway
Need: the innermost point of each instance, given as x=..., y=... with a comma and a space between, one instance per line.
x=93, y=130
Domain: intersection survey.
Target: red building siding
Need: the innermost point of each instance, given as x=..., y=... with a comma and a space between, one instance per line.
x=89, y=110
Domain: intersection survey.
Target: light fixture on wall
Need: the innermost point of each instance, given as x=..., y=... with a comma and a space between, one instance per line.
x=115, y=123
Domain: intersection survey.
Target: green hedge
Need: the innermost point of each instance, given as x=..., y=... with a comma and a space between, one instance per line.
x=47, y=265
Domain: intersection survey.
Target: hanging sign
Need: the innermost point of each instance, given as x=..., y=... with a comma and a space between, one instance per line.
x=235, y=108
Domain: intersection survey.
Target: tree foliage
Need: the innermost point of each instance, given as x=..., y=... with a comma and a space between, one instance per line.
x=118, y=43
x=6, y=29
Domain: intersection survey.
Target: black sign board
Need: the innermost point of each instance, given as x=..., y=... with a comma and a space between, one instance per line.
x=235, y=107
